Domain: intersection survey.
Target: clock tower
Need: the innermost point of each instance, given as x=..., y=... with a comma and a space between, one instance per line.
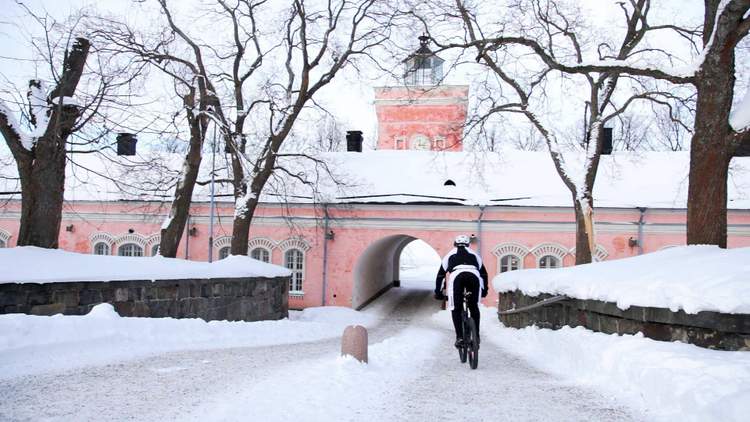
x=422, y=114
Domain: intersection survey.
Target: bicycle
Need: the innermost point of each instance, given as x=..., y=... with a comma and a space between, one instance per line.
x=469, y=346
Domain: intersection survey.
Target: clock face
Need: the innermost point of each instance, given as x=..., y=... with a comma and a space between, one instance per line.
x=421, y=143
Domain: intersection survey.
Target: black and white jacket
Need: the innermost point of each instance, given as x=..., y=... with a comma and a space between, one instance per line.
x=461, y=259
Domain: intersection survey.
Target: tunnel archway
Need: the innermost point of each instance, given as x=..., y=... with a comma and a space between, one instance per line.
x=377, y=268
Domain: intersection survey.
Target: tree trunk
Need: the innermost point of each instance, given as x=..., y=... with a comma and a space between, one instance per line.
x=584, y=210
x=710, y=151
x=42, y=198
x=42, y=170
x=174, y=227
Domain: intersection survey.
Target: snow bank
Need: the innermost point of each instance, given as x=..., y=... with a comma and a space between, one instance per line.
x=691, y=278
x=35, y=344
x=36, y=265
x=667, y=381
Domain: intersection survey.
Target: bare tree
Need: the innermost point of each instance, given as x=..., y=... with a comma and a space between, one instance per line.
x=715, y=141
x=553, y=33
x=319, y=39
x=53, y=121
x=253, y=82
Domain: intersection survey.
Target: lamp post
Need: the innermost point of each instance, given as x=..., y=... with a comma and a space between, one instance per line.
x=211, y=202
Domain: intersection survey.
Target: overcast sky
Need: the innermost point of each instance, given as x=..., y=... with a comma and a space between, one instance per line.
x=349, y=97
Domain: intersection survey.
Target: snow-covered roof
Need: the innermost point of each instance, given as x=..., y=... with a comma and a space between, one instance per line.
x=519, y=178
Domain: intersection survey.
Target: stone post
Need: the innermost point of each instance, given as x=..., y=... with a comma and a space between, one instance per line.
x=354, y=342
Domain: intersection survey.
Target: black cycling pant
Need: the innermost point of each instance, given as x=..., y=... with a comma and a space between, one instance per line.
x=465, y=281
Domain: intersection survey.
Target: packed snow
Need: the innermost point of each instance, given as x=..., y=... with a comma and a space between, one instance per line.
x=691, y=278
x=30, y=264
x=666, y=381
x=52, y=365
x=35, y=344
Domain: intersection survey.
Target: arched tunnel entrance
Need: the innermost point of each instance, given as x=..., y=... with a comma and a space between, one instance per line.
x=393, y=259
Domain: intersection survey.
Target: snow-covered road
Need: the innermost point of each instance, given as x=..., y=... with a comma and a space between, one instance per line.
x=414, y=374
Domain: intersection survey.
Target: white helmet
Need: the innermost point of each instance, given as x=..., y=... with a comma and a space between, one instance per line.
x=462, y=240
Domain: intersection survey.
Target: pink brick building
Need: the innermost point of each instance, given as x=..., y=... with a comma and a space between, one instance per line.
x=345, y=247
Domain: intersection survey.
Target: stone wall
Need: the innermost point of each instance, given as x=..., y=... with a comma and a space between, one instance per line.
x=233, y=299
x=706, y=329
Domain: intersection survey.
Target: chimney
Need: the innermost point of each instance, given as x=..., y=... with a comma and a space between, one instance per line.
x=354, y=140
x=126, y=144
x=607, y=141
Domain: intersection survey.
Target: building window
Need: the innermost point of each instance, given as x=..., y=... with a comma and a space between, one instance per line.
x=224, y=252
x=101, y=248
x=400, y=143
x=420, y=142
x=130, y=249
x=509, y=263
x=155, y=250
x=2, y=243
x=294, y=260
x=440, y=144
x=261, y=254
x=549, y=261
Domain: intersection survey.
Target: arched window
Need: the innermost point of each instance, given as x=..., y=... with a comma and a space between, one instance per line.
x=4, y=238
x=224, y=252
x=294, y=260
x=101, y=248
x=509, y=263
x=130, y=249
x=155, y=250
x=549, y=261
x=261, y=254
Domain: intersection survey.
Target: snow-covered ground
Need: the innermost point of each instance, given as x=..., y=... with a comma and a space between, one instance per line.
x=37, y=344
x=104, y=366
x=666, y=381
x=691, y=278
x=29, y=264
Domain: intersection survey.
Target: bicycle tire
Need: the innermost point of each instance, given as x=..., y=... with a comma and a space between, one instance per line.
x=473, y=345
x=462, y=350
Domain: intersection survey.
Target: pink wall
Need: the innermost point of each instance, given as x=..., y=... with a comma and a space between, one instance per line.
x=358, y=227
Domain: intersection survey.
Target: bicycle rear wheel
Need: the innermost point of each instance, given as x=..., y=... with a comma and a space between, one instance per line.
x=472, y=344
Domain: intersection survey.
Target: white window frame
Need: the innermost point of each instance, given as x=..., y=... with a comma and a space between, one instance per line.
x=552, y=249
x=296, y=287
x=510, y=248
x=104, y=244
x=102, y=237
x=4, y=238
x=509, y=255
x=556, y=258
x=263, y=249
x=133, y=244
x=153, y=241
x=303, y=247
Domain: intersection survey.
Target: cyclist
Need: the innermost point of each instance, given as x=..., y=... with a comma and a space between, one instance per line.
x=467, y=273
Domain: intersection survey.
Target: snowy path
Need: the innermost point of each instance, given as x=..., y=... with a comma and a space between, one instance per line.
x=413, y=368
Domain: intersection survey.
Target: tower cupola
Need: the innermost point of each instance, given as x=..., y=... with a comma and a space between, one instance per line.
x=423, y=67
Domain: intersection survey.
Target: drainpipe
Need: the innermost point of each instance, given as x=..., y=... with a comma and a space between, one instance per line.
x=641, y=223
x=187, y=238
x=325, y=253
x=479, y=230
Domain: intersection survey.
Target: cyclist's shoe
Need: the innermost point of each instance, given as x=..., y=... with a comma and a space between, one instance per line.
x=459, y=342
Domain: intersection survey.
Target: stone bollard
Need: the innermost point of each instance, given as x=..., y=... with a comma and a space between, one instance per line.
x=354, y=342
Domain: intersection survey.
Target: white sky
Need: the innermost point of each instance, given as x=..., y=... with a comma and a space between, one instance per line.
x=350, y=96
